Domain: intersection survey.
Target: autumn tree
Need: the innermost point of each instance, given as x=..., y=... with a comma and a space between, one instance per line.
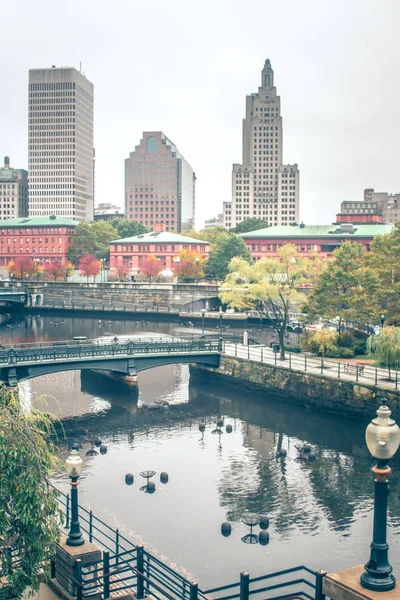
x=270, y=287
x=122, y=271
x=225, y=247
x=57, y=269
x=21, y=266
x=189, y=264
x=346, y=290
x=151, y=267
x=29, y=514
x=89, y=266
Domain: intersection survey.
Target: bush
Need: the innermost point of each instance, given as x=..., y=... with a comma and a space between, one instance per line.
x=293, y=349
x=346, y=352
x=346, y=339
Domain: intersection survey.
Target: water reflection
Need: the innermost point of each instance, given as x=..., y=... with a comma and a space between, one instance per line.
x=320, y=511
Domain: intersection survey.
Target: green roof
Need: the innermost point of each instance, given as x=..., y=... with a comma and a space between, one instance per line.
x=38, y=222
x=160, y=237
x=341, y=230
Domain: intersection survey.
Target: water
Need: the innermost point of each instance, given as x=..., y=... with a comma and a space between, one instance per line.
x=320, y=512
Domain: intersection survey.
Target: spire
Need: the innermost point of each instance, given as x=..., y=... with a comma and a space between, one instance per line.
x=267, y=75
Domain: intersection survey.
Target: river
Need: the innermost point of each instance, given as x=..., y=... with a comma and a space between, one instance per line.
x=320, y=512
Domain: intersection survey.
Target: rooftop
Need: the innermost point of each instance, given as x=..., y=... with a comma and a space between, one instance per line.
x=162, y=237
x=342, y=230
x=51, y=221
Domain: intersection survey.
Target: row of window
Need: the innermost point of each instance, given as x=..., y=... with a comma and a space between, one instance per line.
x=155, y=248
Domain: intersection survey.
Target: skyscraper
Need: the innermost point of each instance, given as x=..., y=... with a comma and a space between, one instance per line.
x=262, y=186
x=159, y=184
x=13, y=191
x=60, y=139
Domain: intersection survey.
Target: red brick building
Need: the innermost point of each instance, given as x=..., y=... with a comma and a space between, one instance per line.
x=44, y=238
x=309, y=239
x=165, y=245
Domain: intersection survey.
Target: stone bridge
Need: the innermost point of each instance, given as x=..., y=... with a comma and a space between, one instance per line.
x=127, y=357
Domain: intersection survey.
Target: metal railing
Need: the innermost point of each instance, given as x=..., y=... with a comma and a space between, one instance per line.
x=130, y=568
x=91, y=349
x=114, y=306
x=340, y=369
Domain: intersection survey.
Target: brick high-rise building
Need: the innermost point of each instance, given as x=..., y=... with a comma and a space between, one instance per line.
x=60, y=138
x=262, y=186
x=159, y=184
x=13, y=191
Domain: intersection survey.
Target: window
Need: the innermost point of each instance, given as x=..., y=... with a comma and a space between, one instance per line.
x=151, y=144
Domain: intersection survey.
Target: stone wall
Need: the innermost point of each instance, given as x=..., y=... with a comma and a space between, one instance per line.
x=310, y=390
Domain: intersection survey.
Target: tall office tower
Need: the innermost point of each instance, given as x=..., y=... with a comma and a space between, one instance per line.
x=61, y=154
x=159, y=185
x=262, y=186
x=13, y=191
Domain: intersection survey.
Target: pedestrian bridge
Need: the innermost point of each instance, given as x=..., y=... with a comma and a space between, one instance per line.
x=14, y=296
x=127, y=356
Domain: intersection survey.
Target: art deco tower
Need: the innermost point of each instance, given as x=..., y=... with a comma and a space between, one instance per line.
x=262, y=186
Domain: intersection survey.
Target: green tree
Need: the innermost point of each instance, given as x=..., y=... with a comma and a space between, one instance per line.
x=82, y=243
x=252, y=224
x=226, y=246
x=103, y=233
x=386, y=347
x=29, y=514
x=384, y=259
x=346, y=289
x=126, y=228
x=269, y=287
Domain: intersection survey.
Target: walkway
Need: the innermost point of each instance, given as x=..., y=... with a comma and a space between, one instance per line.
x=347, y=370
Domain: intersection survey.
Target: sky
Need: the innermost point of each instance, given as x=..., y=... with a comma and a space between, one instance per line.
x=185, y=68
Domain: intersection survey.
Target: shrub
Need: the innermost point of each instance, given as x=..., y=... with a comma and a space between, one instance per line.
x=293, y=349
x=346, y=352
x=346, y=339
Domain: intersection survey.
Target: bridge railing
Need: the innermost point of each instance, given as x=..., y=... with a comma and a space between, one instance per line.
x=90, y=349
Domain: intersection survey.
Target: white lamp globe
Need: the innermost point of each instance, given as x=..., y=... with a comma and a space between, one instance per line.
x=74, y=464
x=382, y=435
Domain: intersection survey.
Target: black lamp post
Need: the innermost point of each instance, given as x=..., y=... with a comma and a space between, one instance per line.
x=203, y=312
x=382, y=320
x=383, y=438
x=74, y=465
x=220, y=322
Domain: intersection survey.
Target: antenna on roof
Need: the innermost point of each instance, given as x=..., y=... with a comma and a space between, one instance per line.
x=80, y=66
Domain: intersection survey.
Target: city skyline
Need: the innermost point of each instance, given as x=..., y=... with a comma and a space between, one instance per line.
x=339, y=97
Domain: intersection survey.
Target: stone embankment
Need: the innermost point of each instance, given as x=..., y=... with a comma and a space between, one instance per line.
x=312, y=389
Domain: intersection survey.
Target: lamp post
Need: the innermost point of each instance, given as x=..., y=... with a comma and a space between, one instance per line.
x=382, y=320
x=177, y=261
x=73, y=466
x=220, y=322
x=383, y=438
x=197, y=260
x=203, y=312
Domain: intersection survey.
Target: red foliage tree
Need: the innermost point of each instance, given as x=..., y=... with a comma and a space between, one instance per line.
x=151, y=266
x=21, y=266
x=189, y=266
x=89, y=266
x=122, y=271
x=57, y=270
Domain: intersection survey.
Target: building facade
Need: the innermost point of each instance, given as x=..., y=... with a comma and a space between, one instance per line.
x=159, y=184
x=44, y=239
x=164, y=245
x=376, y=207
x=106, y=211
x=13, y=192
x=60, y=139
x=262, y=186
x=311, y=239
x=217, y=221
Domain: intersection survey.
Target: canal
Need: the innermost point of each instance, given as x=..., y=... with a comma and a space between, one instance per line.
x=320, y=511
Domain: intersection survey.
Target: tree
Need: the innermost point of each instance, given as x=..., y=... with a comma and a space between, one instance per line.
x=89, y=266
x=151, y=267
x=21, y=266
x=29, y=512
x=103, y=233
x=190, y=264
x=252, y=224
x=126, y=228
x=323, y=341
x=57, y=270
x=346, y=290
x=208, y=235
x=269, y=287
x=122, y=271
x=226, y=246
x=386, y=347
x=69, y=269
x=384, y=259
x=82, y=243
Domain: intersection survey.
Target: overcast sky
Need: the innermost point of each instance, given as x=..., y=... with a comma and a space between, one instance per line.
x=185, y=67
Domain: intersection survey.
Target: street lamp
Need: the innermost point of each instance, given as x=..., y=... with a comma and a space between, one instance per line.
x=197, y=260
x=382, y=320
x=203, y=312
x=73, y=466
x=220, y=322
x=383, y=438
x=177, y=261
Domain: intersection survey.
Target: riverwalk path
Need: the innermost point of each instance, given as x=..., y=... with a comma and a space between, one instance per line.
x=348, y=370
